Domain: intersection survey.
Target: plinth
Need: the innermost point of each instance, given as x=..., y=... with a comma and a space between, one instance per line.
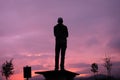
x=58, y=75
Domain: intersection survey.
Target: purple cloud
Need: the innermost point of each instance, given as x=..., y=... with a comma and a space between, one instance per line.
x=26, y=28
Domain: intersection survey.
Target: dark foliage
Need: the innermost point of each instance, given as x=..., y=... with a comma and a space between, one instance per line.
x=108, y=65
x=94, y=67
x=7, y=69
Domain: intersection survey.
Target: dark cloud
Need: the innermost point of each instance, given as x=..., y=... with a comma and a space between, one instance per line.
x=39, y=77
x=84, y=71
x=117, y=64
x=39, y=67
x=79, y=65
x=114, y=44
x=115, y=68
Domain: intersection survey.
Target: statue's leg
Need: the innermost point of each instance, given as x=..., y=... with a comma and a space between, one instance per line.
x=57, y=52
x=63, y=50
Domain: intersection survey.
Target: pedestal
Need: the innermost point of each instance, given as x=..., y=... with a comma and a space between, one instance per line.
x=58, y=75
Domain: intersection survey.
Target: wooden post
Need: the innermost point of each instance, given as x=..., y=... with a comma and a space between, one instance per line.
x=27, y=72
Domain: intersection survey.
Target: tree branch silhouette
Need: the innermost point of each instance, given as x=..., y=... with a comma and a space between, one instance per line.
x=7, y=69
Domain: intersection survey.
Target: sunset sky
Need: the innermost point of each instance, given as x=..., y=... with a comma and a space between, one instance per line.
x=26, y=33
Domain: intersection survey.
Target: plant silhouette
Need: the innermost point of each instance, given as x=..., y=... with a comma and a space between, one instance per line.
x=108, y=65
x=94, y=69
x=7, y=69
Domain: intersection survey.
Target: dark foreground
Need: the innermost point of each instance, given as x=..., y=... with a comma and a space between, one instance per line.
x=58, y=75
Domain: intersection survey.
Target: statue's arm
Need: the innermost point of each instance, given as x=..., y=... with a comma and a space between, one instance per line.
x=67, y=34
x=54, y=32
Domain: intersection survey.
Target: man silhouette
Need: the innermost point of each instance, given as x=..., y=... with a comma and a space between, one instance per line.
x=61, y=34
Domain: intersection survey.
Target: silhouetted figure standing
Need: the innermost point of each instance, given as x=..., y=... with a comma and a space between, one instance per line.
x=61, y=34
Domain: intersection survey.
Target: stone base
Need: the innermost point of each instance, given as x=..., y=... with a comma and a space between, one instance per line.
x=58, y=75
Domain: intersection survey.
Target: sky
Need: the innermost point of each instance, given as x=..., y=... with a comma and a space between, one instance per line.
x=26, y=34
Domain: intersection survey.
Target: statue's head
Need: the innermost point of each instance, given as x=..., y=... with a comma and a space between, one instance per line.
x=60, y=20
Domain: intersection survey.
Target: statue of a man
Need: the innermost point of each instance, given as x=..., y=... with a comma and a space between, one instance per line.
x=61, y=34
